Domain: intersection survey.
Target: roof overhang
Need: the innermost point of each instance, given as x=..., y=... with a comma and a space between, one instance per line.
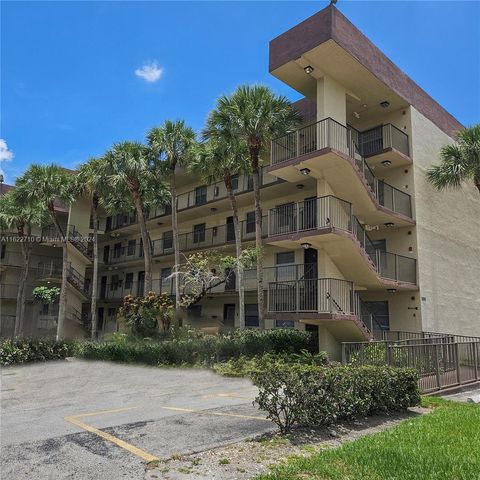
x=330, y=43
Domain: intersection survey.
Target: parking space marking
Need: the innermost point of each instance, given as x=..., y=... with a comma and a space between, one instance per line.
x=220, y=414
x=74, y=419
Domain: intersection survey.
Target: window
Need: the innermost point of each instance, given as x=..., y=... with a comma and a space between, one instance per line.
x=251, y=315
x=44, y=310
x=284, y=324
x=234, y=182
x=165, y=272
x=112, y=312
x=285, y=258
x=3, y=249
x=114, y=282
x=230, y=230
x=117, y=250
x=108, y=223
x=167, y=240
x=129, y=280
x=249, y=182
x=201, y=195
x=199, y=233
x=168, y=209
x=131, y=247
x=195, y=311
x=250, y=222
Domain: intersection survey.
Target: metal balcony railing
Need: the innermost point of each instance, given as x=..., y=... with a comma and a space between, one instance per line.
x=217, y=191
x=208, y=237
x=328, y=133
x=80, y=242
x=53, y=269
x=376, y=140
x=333, y=212
x=320, y=295
x=196, y=197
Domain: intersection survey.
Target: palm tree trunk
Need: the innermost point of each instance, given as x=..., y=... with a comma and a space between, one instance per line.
x=176, y=246
x=147, y=247
x=62, y=301
x=254, y=153
x=476, y=181
x=238, y=250
x=93, y=308
x=21, y=293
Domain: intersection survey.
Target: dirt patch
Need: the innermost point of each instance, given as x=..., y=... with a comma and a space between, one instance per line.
x=246, y=459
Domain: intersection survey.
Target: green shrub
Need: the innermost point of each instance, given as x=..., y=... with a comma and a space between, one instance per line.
x=188, y=347
x=313, y=395
x=23, y=351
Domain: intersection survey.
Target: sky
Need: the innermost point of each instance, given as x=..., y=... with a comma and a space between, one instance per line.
x=77, y=77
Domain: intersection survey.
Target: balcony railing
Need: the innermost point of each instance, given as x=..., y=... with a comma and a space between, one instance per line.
x=121, y=288
x=217, y=191
x=53, y=269
x=80, y=242
x=328, y=133
x=197, y=197
x=209, y=237
x=332, y=212
x=320, y=295
x=376, y=140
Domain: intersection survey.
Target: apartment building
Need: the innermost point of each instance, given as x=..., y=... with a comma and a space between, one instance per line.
x=355, y=239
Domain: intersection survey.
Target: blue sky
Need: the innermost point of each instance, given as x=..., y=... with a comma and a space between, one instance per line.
x=69, y=88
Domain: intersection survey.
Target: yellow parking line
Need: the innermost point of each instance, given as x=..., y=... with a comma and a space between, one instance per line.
x=220, y=414
x=74, y=419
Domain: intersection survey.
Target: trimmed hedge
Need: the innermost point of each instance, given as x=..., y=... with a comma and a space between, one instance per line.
x=204, y=350
x=313, y=396
x=23, y=351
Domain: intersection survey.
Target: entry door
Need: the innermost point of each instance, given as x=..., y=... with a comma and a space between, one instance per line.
x=314, y=338
x=229, y=315
x=106, y=253
x=141, y=284
x=103, y=287
x=230, y=230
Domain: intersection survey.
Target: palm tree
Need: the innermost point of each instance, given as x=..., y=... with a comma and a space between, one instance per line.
x=172, y=144
x=21, y=213
x=91, y=180
x=127, y=168
x=255, y=115
x=460, y=161
x=221, y=160
x=46, y=184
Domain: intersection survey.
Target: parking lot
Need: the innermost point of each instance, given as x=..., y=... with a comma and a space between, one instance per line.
x=96, y=420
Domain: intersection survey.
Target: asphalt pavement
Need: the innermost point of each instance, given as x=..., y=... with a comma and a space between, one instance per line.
x=97, y=420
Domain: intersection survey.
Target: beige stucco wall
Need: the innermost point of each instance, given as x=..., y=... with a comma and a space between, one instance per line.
x=448, y=233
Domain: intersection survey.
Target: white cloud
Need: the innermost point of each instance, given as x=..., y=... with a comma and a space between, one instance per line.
x=150, y=72
x=6, y=155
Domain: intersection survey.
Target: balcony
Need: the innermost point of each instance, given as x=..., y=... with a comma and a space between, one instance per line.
x=208, y=237
x=52, y=270
x=202, y=195
x=327, y=216
x=385, y=142
x=318, y=299
x=80, y=242
x=319, y=149
x=118, y=290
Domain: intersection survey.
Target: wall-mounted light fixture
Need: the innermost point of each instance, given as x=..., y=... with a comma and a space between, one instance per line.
x=213, y=209
x=306, y=245
x=386, y=163
x=389, y=224
x=300, y=186
x=391, y=290
x=305, y=171
x=385, y=104
x=308, y=69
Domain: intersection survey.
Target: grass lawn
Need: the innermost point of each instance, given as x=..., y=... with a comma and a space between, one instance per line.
x=444, y=444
